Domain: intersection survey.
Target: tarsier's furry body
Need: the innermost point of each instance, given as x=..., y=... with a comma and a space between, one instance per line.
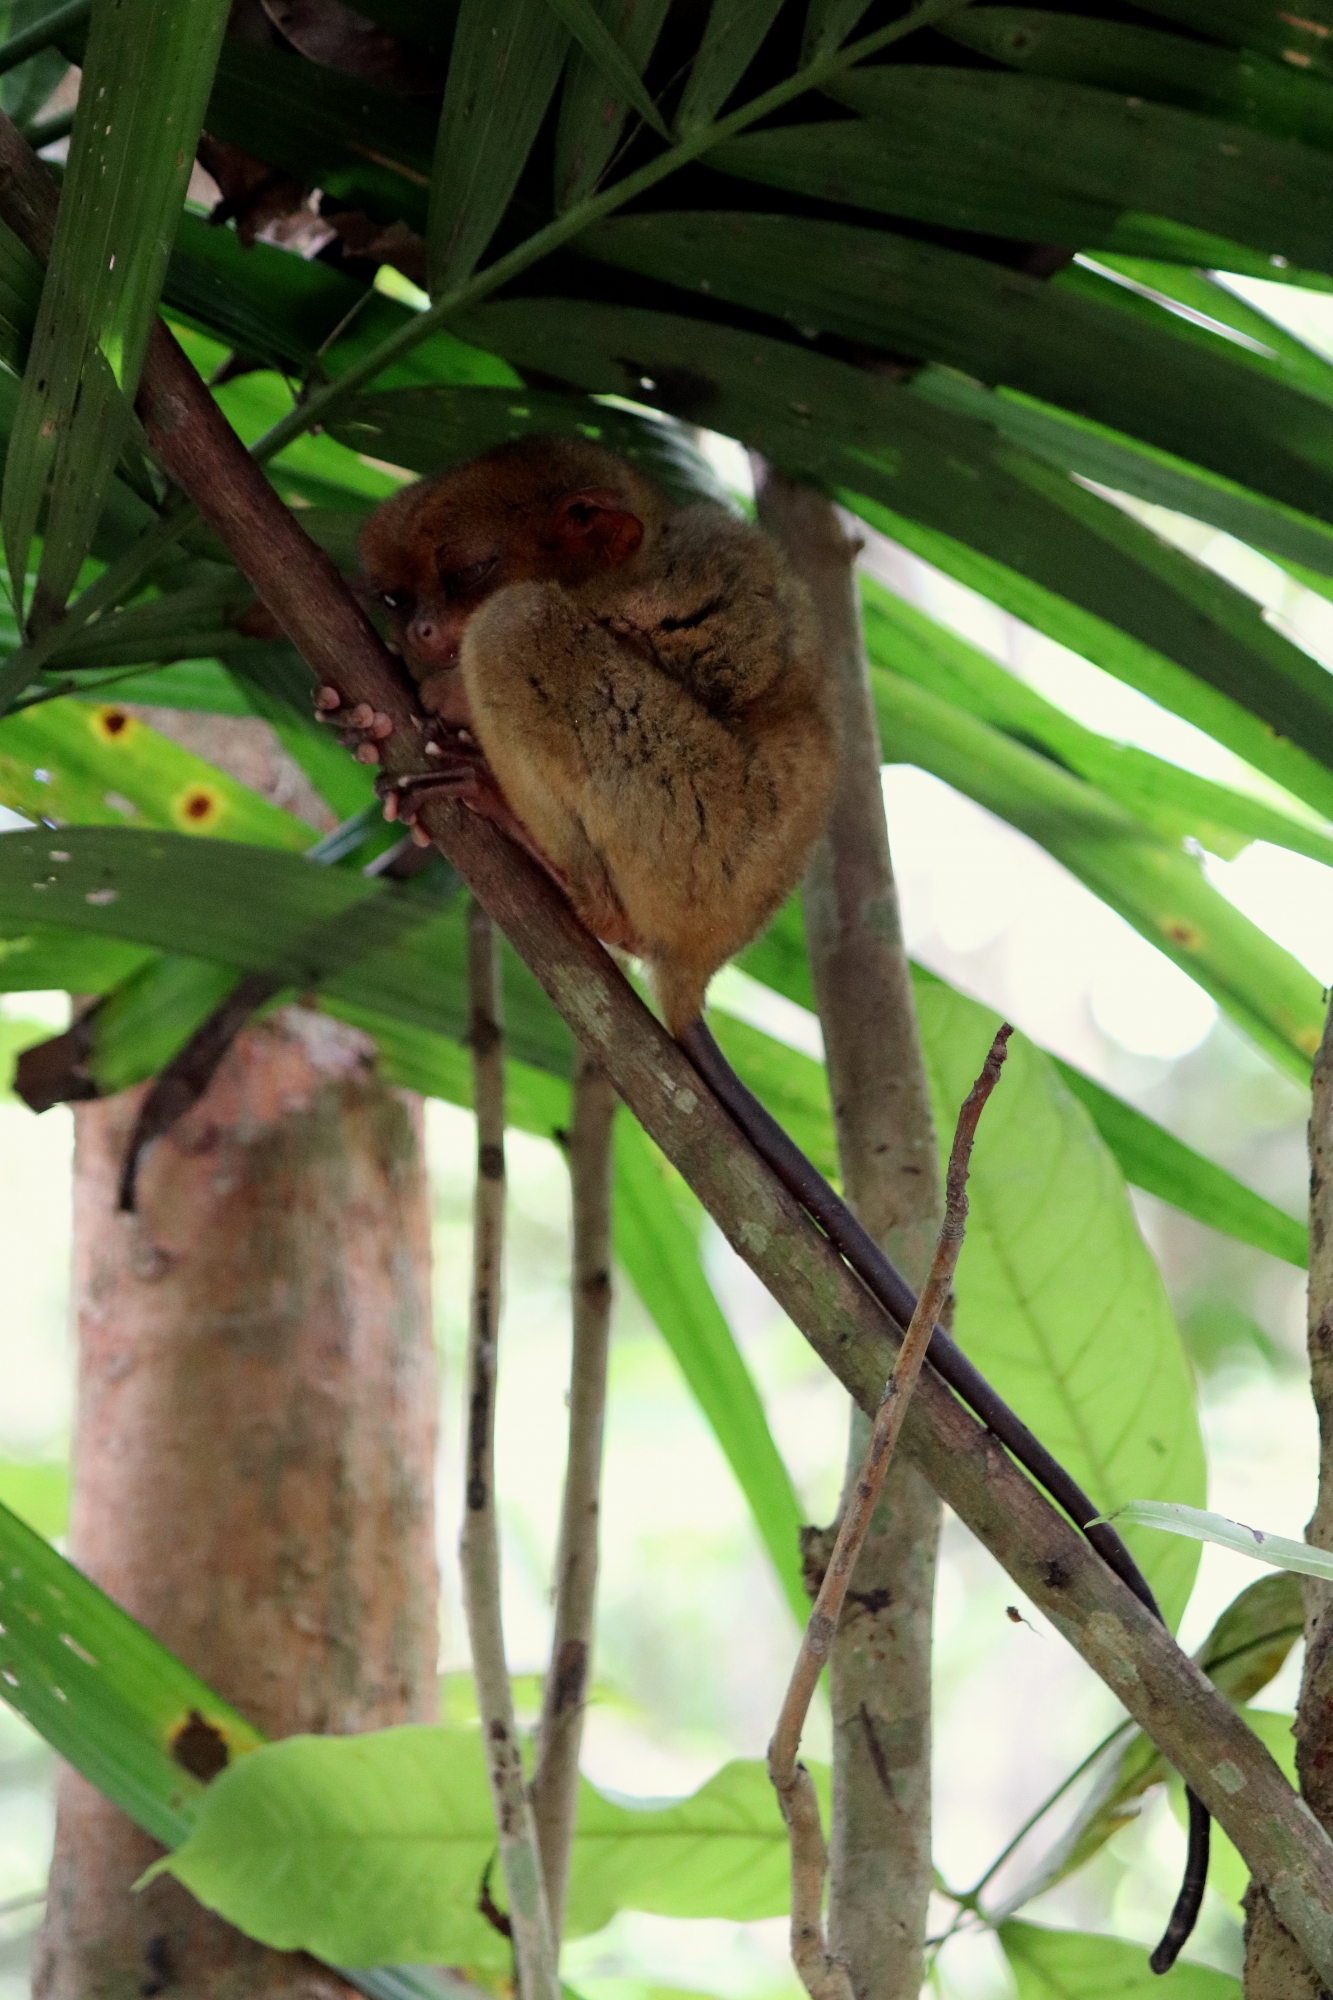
x=643, y=681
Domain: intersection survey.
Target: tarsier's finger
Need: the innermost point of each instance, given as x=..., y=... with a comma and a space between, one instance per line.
x=327, y=699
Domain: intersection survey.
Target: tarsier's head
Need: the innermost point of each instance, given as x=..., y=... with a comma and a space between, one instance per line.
x=542, y=508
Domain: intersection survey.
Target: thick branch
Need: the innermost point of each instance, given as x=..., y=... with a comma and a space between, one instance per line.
x=479, y=1545
x=1163, y=1690
x=555, y=1785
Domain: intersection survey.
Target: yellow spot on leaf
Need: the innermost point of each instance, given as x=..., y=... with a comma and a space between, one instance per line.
x=113, y=725
x=197, y=808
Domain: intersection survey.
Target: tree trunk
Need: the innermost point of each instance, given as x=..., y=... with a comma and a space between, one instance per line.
x=253, y=1454
x=879, y=1672
x=1275, y=1966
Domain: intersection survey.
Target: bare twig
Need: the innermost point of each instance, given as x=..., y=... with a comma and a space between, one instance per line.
x=555, y=1786
x=1166, y=1693
x=826, y=1977
x=479, y=1550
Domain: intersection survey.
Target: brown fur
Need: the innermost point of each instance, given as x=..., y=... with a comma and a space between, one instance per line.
x=658, y=719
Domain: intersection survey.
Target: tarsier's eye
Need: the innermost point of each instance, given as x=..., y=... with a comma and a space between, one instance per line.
x=394, y=600
x=459, y=581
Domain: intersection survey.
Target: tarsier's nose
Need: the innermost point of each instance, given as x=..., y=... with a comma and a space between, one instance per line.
x=434, y=639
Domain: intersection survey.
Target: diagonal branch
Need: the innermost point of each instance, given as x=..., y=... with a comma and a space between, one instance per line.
x=1168, y=1696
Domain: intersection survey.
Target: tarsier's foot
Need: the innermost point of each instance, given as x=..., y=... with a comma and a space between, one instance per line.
x=457, y=771
x=361, y=729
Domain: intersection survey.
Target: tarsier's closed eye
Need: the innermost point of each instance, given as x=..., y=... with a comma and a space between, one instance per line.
x=458, y=582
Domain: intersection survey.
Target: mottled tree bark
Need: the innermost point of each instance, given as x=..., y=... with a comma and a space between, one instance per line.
x=1275, y=1966
x=879, y=1672
x=253, y=1455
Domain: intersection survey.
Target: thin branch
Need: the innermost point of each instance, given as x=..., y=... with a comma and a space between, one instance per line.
x=826, y=1977
x=1165, y=1692
x=555, y=1786
x=479, y=1547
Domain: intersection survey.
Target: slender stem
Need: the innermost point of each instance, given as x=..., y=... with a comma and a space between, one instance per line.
x=316, y=408
x=479, y=1550
x=826, y=1977
x=555, y=1786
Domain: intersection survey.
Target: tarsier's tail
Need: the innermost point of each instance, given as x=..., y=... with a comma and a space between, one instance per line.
x=891, y=1289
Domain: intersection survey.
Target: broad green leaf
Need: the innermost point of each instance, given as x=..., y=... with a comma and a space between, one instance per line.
x=1174, y=802
x=597, y=42
x=1059, y=1301
x=101, y=766
x=1077, y=1965
x=1198, y=1524
x=894, y=459
x=123, y=1710
x=1099, y=639
x=1244, y=1651
x=146, y=76
x=281, y=310
x=38, y=1492
x=1156, y=378
x=1302, y=37
x=1158, y=888
x=103, y=1693
x=195, y=622
x=657, y=1224
x=1112, y=458
x=1155, y=1160
x=506, y=60
x=424, y=429
x=359, y=1847
x=828, y=24
x=592, y=109
x=1041, y=161
x=730, y=42
x=42, y=957
x=1143, y=62
x=388, y=947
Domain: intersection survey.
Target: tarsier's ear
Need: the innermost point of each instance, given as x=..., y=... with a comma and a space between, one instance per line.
x=594, y=522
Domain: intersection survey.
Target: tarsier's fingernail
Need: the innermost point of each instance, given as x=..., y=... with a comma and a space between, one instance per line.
x=466, y=736
x=367, y=754
x=328, y=698
x=434, y=750
x=420, y=836
x=382, y=726
x=391, y=806
x=362, y=715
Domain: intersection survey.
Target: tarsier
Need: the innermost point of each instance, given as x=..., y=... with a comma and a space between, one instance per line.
x=634, y=691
